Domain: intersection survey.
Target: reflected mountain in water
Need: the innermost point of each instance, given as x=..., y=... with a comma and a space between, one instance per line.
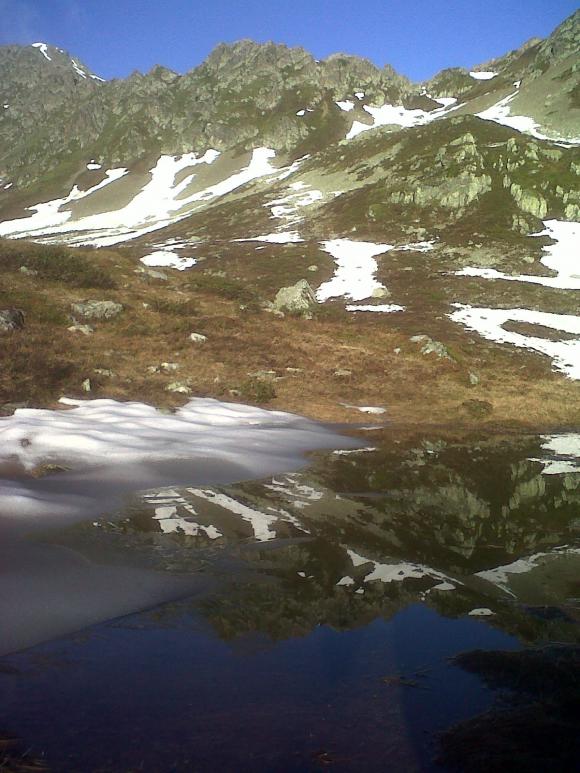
x=487, y=528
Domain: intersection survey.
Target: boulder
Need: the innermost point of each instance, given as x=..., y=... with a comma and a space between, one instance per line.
x=296, y=299
x=96, y=309
x=84, y=329
x=429, y=346
x=11, y=319
x=197, y=338
x=178, y=387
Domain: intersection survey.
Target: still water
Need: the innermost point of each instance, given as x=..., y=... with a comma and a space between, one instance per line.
x=308, y=620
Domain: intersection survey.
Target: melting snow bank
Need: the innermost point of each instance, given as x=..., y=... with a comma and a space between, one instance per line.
x=384, y=308
x=96, y=432
x=489, y=324
x=108, y=449
x=128, y=446
x=355, y=269
x=561, y=257
x=168, y=259
x=160, y=202
x=397, y=115
x=565, y=453
x=501, y=113
x=483, y=76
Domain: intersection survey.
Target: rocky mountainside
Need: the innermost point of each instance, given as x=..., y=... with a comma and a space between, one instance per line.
x=55, y=112
x=456, y=200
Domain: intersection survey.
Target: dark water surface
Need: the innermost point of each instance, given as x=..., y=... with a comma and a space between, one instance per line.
x=314, y=614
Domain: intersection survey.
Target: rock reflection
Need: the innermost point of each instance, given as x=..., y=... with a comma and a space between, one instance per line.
x=460, y=526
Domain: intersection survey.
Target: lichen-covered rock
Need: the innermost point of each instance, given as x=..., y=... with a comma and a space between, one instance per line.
x=96, y=309
x=429, y=346
x=297, y=299
x=11, y=319
x=529, y=201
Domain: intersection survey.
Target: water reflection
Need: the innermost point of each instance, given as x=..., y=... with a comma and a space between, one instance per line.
x=341, y=592
x=485, y=528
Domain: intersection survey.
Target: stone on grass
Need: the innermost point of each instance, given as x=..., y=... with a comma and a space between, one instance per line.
x=178, y=387
x=151, y=273
x=197, y=338
x=296, y=299
x=84, y=329
x=11, y=319
x=96, y=309
x=429, y=346
x=86, y=385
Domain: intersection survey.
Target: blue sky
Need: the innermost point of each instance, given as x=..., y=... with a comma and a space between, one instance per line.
x=417, y=37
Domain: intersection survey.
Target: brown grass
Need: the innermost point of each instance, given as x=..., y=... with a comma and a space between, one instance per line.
x=45, y=360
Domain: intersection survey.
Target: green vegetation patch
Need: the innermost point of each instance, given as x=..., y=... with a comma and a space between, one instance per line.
x=54, y=263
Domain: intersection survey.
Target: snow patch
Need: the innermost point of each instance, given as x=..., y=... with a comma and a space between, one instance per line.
x=381, y=308
x=501, y=113
x=489, y=324
x=483, y=76
x=354, y=276
x=157, y=204
x=565, y=453
x=561, y=257
x=78, y=70
x=43, y=48
x=347, y=105
x=284, y=237
x=167, y=259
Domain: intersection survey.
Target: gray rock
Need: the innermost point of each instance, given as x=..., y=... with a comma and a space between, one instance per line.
x=163, y=367
x=380, y=292
x=96, y=309
x=429, y=346
x=312, y=268
x=84, y=329
x=28, y=271
x=197, y=338
x=341, y=373
x=296, y=299
x=11, y=319
x=178, y=387
x=473, y=379
x=86, y=385
x=151, y=273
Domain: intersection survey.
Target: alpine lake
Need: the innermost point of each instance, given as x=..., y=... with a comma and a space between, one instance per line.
x=410, y=604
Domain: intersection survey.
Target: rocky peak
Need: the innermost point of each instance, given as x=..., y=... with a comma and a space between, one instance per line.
x=562, y=43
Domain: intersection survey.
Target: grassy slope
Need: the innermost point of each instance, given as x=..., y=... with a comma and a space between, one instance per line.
x=45, y=360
